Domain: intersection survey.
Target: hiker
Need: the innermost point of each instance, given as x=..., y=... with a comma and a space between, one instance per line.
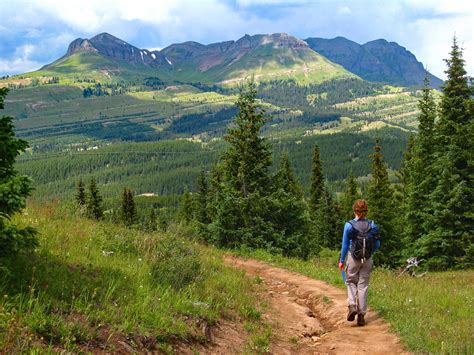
x=361, y=238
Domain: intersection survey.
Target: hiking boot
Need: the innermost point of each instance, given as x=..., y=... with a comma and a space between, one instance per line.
x=352, y=313
x=360, y=320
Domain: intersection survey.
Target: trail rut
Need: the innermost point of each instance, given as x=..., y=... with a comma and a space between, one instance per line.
x=309, y=316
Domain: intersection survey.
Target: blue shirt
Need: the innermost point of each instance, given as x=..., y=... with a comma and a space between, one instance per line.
x=347, y=242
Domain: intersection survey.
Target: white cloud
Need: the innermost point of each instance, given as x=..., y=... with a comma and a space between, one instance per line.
x=21, y=62
x=425, y=27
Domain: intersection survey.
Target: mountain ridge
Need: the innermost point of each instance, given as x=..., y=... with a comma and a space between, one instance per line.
x=376, y=61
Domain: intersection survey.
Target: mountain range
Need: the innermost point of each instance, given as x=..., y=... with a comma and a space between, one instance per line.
x=266, y=57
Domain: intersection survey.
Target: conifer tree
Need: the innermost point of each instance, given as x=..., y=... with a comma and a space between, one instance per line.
x=449, y=239
x=328, y=222
x=94, y=202
x=286, y=178
x=290, y=216
x=186, y=207
x=317, y=181
x=202, y=212
x=243, y=214
x=81, y=194
x=124, y=207
x=381, y=210
x=132, y=208
x=249, y=157
x=417, y=174
x=14, y=189
x=128, y=209
x=351, y=194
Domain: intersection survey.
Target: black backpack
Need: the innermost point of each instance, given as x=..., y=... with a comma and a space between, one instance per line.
x=362, y=243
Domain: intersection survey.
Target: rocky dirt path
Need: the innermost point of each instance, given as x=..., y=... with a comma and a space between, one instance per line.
x=309, y=316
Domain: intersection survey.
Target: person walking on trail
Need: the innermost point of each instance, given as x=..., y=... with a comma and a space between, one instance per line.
x=361, y=239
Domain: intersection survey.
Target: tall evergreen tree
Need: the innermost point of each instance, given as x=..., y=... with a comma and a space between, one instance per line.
x=94, y=201
x=290, y=215
x=244, y=206
x=186, y=207
x=14, y=189
x=249, y=156
x=81, y=194
x=417, y=174
x=128, y=211
x=317, y=181
x=449, y=239
x=132, y=208
x=202, y=195
x=328, y=222
x=351, y=194
x=381, y=210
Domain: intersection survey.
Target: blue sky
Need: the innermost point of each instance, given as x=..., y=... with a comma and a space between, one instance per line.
x=33, y=33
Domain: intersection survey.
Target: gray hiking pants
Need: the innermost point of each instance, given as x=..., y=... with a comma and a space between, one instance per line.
x=357, y=281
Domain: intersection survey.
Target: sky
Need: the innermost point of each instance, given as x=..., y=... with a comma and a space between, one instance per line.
x=34, y=33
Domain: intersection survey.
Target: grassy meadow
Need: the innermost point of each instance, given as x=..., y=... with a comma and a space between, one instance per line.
x=94, y=286
x=432, y=314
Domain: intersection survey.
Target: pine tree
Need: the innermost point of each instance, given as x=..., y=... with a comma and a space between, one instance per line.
x=328, y=222
x=243, y=212
x=14, y=189
x=81, y=194
x=202, y=212
x=186, y=207
x=124, y=207
x=449, y=239
x=381, y=210
x=290, y=215
x=128, y=208
x=132, y=208
x=94, y=202
x=351, y=194
x=317, y=181
x=417, y=174
x=286, y=178
x=249, y=157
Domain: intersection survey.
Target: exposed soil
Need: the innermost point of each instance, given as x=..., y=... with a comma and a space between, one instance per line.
x=307, y=317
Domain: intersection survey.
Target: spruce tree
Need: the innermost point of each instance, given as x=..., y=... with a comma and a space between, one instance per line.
x=417, y=175
x=14, y=189
x=243, y=213
x=290, y=215
x=132, y=208
x=449, y=238
x=94, y=201
x=249, y=156
x=351, y=194
x=186, y=207
x=81, y=194
x=124, y=207
x=202, y=212
x=381, y=210
x=317, y=181
x=328, y=222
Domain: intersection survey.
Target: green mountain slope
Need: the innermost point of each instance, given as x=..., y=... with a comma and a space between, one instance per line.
x=266, y=57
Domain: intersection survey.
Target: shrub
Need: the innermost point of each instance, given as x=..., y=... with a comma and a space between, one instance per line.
x=177, y=263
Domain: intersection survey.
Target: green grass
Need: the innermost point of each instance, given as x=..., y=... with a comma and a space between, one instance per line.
x=68, y=295
x=432, y=314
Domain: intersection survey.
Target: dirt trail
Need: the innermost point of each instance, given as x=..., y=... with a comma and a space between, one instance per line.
x=309, y=316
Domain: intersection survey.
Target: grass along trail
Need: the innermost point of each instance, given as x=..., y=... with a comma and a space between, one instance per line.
x=309, y=316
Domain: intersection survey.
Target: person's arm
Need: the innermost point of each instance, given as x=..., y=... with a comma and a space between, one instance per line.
x=345, y=242
x=375, y=232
